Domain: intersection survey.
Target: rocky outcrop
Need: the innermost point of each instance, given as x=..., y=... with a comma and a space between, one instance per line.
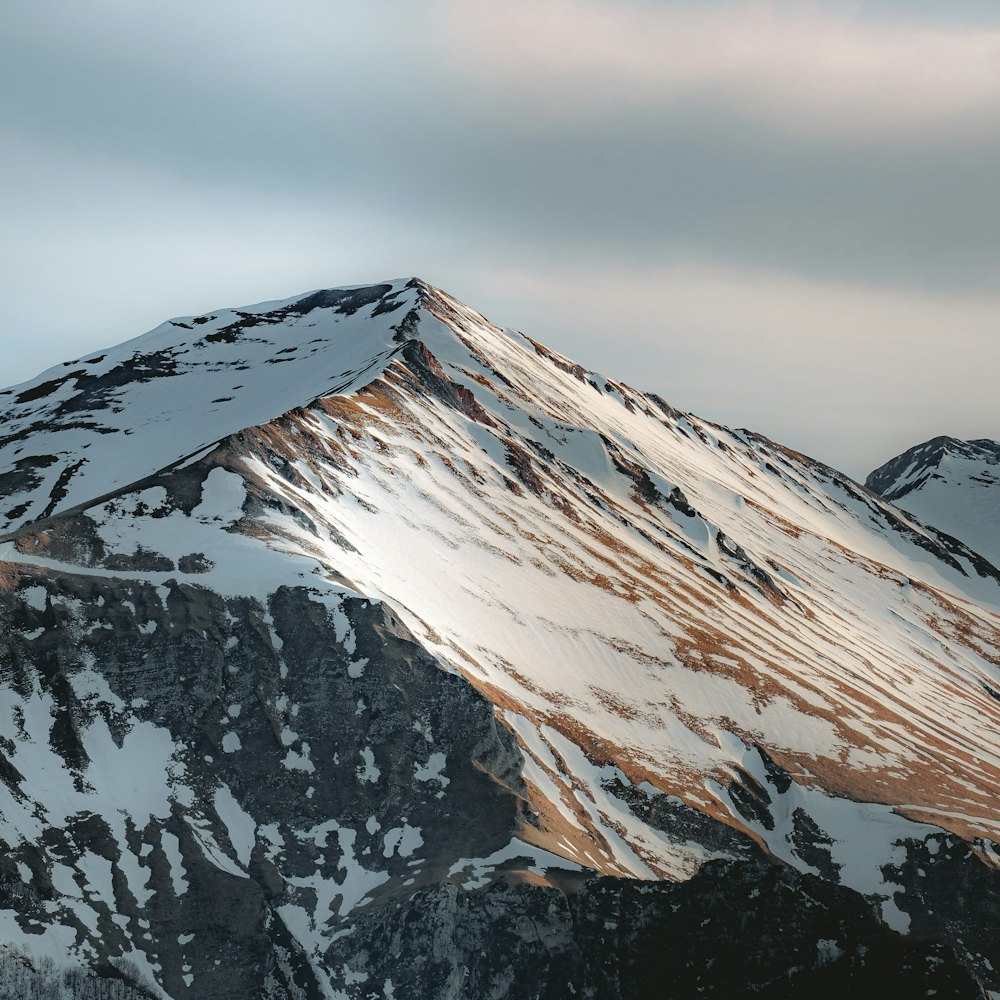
x=737, y=929
x=300, y=762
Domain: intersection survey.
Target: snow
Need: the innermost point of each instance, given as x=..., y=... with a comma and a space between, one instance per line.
x=90, y=686
x=222, y=498
x=961, y=497
x=540, y=766
x=239, y=565
x=52, y=940
x=136, y=875
x=133, y=778
x=62, y=880
x=34, y=597
x=352, y=890
x=612, y=817
x=294, y=761
x=200, y=828
x=614, y=621
x=99, y=875
x=517, y=850
x=402, y=840
x=241, y=827
x=866, y=836
x=828, y=950
x=368, y=771
x=358, y=881
x=172, y=849
x=432, y=770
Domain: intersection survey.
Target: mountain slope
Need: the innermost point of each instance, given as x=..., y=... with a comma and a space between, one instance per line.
x=699, y=646
x=952, y=484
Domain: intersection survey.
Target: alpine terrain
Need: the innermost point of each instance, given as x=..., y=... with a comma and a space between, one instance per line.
x=354, y=647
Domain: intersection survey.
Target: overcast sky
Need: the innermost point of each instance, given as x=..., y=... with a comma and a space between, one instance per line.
x=784, y=216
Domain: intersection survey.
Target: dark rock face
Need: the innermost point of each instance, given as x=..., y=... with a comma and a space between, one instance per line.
x=952, y=895
x=681, y=822
x=321, y=763
x=736, y=929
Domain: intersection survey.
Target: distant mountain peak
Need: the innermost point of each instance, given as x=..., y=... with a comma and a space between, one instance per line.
x=908, y=471
x=950, y=483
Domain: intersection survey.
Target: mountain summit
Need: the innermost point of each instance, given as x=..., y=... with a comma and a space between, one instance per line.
x=354, y=646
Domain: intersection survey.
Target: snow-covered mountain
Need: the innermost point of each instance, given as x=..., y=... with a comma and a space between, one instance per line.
x=328, y=617
x=952, y=484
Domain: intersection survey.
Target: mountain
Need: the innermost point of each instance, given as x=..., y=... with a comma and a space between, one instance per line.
x=952, y=484
x=353, y=646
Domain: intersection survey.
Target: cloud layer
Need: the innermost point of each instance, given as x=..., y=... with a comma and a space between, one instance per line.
x=828, y=72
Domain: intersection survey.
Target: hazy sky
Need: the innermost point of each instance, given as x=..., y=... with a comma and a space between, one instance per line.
x=784, y=216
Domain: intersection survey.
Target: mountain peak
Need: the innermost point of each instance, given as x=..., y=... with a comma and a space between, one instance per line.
x=909, y=470
x=950, y=483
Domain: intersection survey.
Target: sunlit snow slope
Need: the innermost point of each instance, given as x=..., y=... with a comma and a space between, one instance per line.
x=656, y=589
x=952, y=484
x=668, y=614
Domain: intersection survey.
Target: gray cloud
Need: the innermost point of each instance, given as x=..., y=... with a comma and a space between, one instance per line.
x=168, y=159
x=803, y=67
